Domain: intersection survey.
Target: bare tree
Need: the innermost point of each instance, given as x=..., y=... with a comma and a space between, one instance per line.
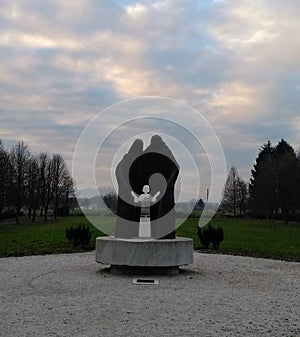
x=33, y=189
x=34, y=181
x=42, y=163
x=242, y=195
x=56, y=184
x=19, y=157
x=59, y=168
x=234, y=194
x=66, y=193
x=4, y=177
x=49, y=191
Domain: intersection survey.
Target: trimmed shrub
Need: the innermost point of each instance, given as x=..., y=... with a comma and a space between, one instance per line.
x=218, y=237
x=211, y=235
x=80, y=236
x=203, y=237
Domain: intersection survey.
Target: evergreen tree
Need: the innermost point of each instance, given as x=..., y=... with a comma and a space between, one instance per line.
x=297, y=185
x=285, y=172
x=262, y=188
x=273, y=185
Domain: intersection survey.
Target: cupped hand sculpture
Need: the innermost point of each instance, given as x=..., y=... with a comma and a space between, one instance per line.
x=157, y=167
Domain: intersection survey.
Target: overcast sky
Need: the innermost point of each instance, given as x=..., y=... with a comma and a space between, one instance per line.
x=237, y=62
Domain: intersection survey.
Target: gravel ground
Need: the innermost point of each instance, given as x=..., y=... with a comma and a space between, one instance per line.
x=219, y=295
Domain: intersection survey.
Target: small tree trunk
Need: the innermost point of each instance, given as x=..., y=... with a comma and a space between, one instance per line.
x=41, y=211
x=33, y=215
x=45, y=212
x=17, y=217
x=286, y=216
x=55, y=208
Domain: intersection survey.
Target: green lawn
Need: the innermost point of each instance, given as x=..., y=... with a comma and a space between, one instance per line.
x=252, y=237
x=242, y=237
x=41, y=237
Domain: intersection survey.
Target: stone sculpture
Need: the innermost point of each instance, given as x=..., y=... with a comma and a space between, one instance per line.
x=156, y=167
x=127, y=225
x=146, y=180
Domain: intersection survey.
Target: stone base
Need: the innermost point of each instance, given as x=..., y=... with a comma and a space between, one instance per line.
x=127, y=270
x=144, y=253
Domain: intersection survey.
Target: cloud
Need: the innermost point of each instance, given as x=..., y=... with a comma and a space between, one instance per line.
x=237, y=62
x=136, y=11
x=296, y=128
x=240, y=102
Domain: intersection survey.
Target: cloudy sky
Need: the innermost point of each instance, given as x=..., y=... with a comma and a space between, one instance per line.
x=237, y=62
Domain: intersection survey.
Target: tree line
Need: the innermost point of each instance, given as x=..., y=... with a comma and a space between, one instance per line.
x=36, y=183
x=274, y=187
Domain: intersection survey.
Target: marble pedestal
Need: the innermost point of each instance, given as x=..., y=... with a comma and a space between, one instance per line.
x=144, y=254
x=145, y=230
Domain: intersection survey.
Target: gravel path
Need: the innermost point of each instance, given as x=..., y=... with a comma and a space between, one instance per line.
x=219, y=295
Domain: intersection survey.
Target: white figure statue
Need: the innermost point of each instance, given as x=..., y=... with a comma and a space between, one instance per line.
x=145, y=199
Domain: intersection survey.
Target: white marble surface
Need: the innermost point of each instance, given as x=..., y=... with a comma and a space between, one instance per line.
x=144, y=252
x=145, y=230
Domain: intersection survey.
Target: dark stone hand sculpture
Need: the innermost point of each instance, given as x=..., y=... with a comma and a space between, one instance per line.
x=160, y=170
x=128, y=219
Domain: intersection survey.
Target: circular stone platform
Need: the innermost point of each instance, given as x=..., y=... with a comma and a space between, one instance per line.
x=166, y=253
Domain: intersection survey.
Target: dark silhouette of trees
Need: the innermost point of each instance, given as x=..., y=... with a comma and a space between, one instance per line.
x=274, y=185
x=297, y=184
x=262, y=188
x=4, y=177
x=59, y=172
x=242, y=196
x=200, y=205
x=19, y=159
x=33, y=198
x=42, y=162
x=285, y=167
x=235, y=194
x=111, y=201
x=67, y=193
x=48, y=186
x=35, y=183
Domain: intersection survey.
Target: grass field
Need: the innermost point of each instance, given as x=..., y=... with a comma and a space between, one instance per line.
x=260, y=238
x=41, y=237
